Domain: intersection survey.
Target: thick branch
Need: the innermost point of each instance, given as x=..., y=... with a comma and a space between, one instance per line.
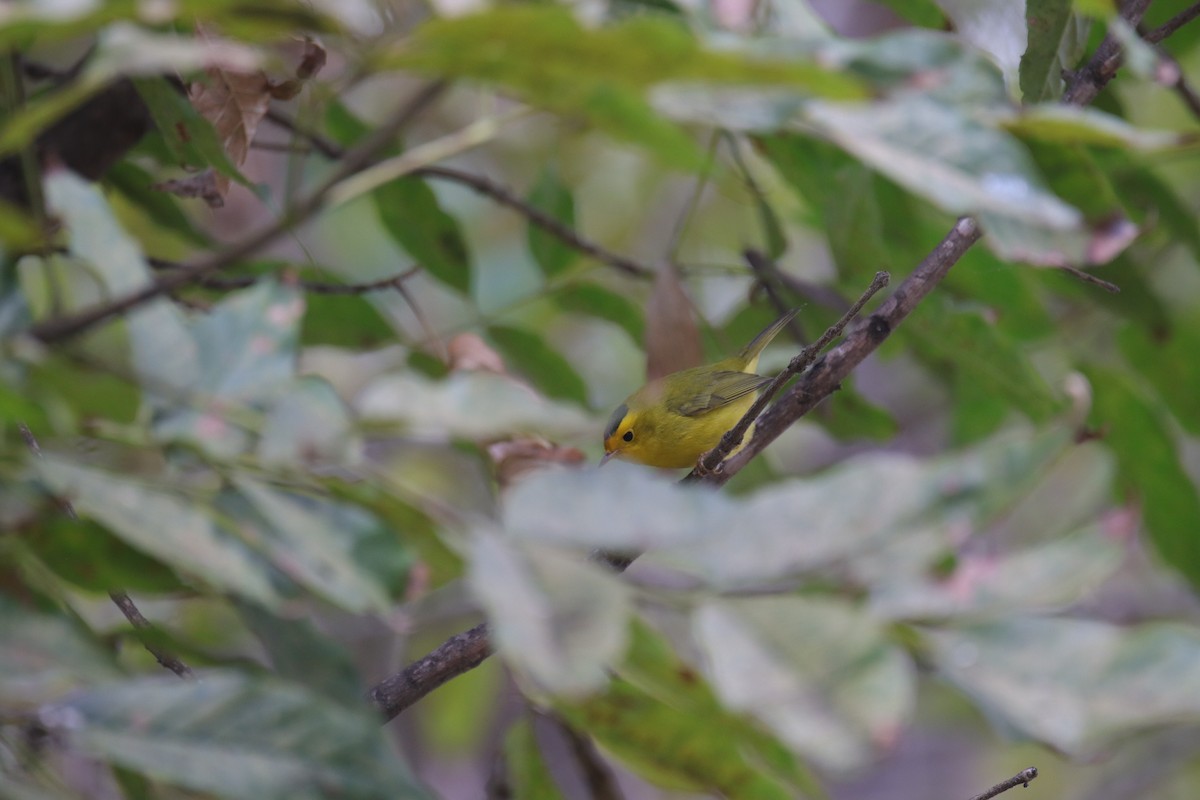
x=458, y=654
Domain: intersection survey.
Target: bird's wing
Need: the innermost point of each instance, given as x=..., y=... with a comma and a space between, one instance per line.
x=724, y=388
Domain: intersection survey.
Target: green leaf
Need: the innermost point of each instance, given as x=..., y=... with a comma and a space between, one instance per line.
x=965, y=341
x=919, y=12
x=528, y=776
x=87, y=555
x=1149, y=467
x=1056, y=123
x=529, y=354
x=470, y=405
x=164, y=525
x=247, y=358
x=313, y=542
x=46, y=656
x=550, y=196
x=854, y=418
x=670, y=747
x=1169, y=363
x=344, y=321
x=1053, y=46
x=308, y=426
x=599, y=74
x=1055, y=574
x=559, y=619
x=819, y=673
x=190, y=138
x=1148, y=199
x=299, y=652
x=1056, y=679
x=410, y=213
x=727, y=542
x=596, y=301
x=136, y=186
x=164, y=353
x=238, y=737
x=654, y=666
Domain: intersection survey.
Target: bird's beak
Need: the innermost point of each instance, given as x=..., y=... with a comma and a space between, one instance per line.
x=607, y=457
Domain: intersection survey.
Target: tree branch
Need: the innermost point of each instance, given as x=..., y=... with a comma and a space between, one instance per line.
x=713, y=461
x=60, y=328
x=494, y=191
x=1022, y=778
x=467, y=650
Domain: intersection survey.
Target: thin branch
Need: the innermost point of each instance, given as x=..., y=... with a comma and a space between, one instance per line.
x=1022, y=778
x=488, y=188
x=315, y=287
x=142, y=625
x=538, y=218
x=768, y=278
x=713, y=460
x=824, y=377
x=60, y=328
x=1173, y=24
x=1088, y=277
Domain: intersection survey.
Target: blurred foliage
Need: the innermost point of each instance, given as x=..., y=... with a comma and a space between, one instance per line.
x=295, y=471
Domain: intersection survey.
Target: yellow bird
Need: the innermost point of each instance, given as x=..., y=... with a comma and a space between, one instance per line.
x=673, y=420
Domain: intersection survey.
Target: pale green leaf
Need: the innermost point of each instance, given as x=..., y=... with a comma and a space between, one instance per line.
x=473, y=405
x=1072, y=683
x=234, y=736
x=819, y=673
x=164, y=524
x=557, y=618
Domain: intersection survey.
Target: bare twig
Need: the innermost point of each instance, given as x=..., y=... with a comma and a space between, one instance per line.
x=142, y=625
x=1022, y=778
x=1088, y=277
x=713, y=460
x=357, y=158
x=768, y=279
x=492, y=190
x=315, y=287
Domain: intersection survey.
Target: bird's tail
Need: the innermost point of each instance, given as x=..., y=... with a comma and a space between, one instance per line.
x=751, y=351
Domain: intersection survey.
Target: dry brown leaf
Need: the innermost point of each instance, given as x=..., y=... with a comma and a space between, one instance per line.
x=516, y=457
x=234, y=102
x=467, y=351
x=672, y=337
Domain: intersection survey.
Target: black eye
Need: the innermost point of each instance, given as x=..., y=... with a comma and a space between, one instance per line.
x=628, y=436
